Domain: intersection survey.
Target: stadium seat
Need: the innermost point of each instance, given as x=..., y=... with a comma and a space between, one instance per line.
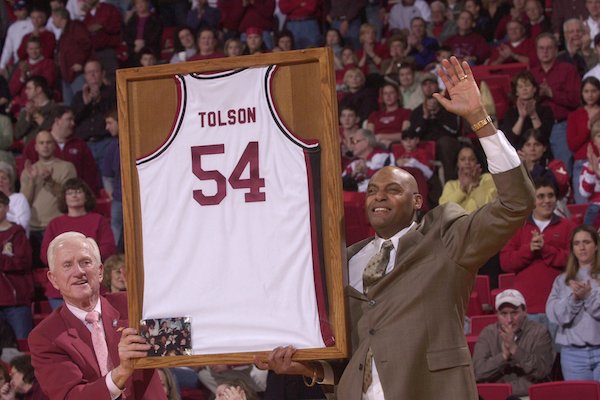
x=564, y=390
x=355, y=219
x=474, y=306
x=478, y=322
x=482, y=287
x=505, y=281
x=494, y=391
x=471, y=341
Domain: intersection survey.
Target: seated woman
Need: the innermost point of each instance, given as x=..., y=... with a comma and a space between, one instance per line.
x=185, y=45
x=534, y=150
x=573, y=304
x=526, y=112
x=388, y=123
x=77, y=202
x=473, y=188
x=23, y=384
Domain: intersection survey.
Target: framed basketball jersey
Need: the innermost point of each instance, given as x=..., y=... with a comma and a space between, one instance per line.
x=233, y=207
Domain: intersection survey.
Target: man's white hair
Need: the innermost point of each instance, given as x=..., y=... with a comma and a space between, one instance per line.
x=67, y=236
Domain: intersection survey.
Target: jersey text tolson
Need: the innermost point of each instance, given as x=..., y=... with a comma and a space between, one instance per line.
x=229, y=117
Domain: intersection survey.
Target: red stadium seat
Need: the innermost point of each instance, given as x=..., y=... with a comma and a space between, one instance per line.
x=355, y=219
x=564, y=390
x=494, y=391
x=474, y=306
x=482, y=288
x=471, y=341
x=478, y=322
x=505, y=281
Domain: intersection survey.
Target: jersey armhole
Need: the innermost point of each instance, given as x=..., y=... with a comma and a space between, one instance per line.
x=175, y=125
x=306, y=144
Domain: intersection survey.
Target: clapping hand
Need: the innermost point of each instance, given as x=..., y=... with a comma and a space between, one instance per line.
x=537, y=241
x=581, y=290
x=507, y=337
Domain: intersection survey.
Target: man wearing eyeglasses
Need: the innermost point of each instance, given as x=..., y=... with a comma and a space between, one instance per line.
x=368, y=159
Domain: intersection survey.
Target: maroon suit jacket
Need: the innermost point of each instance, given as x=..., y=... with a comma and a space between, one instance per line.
x=65, y=364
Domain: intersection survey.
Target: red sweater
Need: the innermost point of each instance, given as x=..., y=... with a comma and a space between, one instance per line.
x=16, y=281
x=564, y=80
x=536, y=271
x=578, y=133
x=109, y=17
x=389, y=121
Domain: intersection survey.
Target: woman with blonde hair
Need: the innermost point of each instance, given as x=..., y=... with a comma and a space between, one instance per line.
x=574, y=305
x=114, y=273
x=169, y=384
x=362, y=98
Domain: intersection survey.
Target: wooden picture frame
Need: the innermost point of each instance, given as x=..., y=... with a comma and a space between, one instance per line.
x=304, y=92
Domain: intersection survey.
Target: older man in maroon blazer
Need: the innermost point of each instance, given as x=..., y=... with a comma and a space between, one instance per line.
x=84, y=349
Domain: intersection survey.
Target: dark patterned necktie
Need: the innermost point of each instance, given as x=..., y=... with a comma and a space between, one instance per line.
x=374, y=271
x=377, y=265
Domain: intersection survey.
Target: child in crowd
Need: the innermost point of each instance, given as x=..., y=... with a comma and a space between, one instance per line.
x=589, y=180
x=412, y=155
x=443, y=53
x=348, y=126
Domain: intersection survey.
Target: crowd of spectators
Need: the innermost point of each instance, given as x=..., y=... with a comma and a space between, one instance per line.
x=58, y=113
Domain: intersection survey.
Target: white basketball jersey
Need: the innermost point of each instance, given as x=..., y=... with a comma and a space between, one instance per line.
x=230, y=223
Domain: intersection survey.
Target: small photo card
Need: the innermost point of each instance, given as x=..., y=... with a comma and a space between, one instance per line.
x=168, y=336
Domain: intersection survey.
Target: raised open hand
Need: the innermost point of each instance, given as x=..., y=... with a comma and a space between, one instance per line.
x=465, y=99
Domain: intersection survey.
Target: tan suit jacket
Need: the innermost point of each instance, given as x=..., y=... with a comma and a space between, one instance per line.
x=412, y=318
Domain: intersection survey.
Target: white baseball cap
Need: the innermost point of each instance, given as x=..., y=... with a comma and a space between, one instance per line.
x=510, y=296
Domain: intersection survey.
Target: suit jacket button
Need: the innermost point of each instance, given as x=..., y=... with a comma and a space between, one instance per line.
x=371, y=331
x=360, y=367
x=372, y=303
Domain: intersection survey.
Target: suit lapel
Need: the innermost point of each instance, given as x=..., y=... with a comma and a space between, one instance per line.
x=81, y=337
x=406, y=247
